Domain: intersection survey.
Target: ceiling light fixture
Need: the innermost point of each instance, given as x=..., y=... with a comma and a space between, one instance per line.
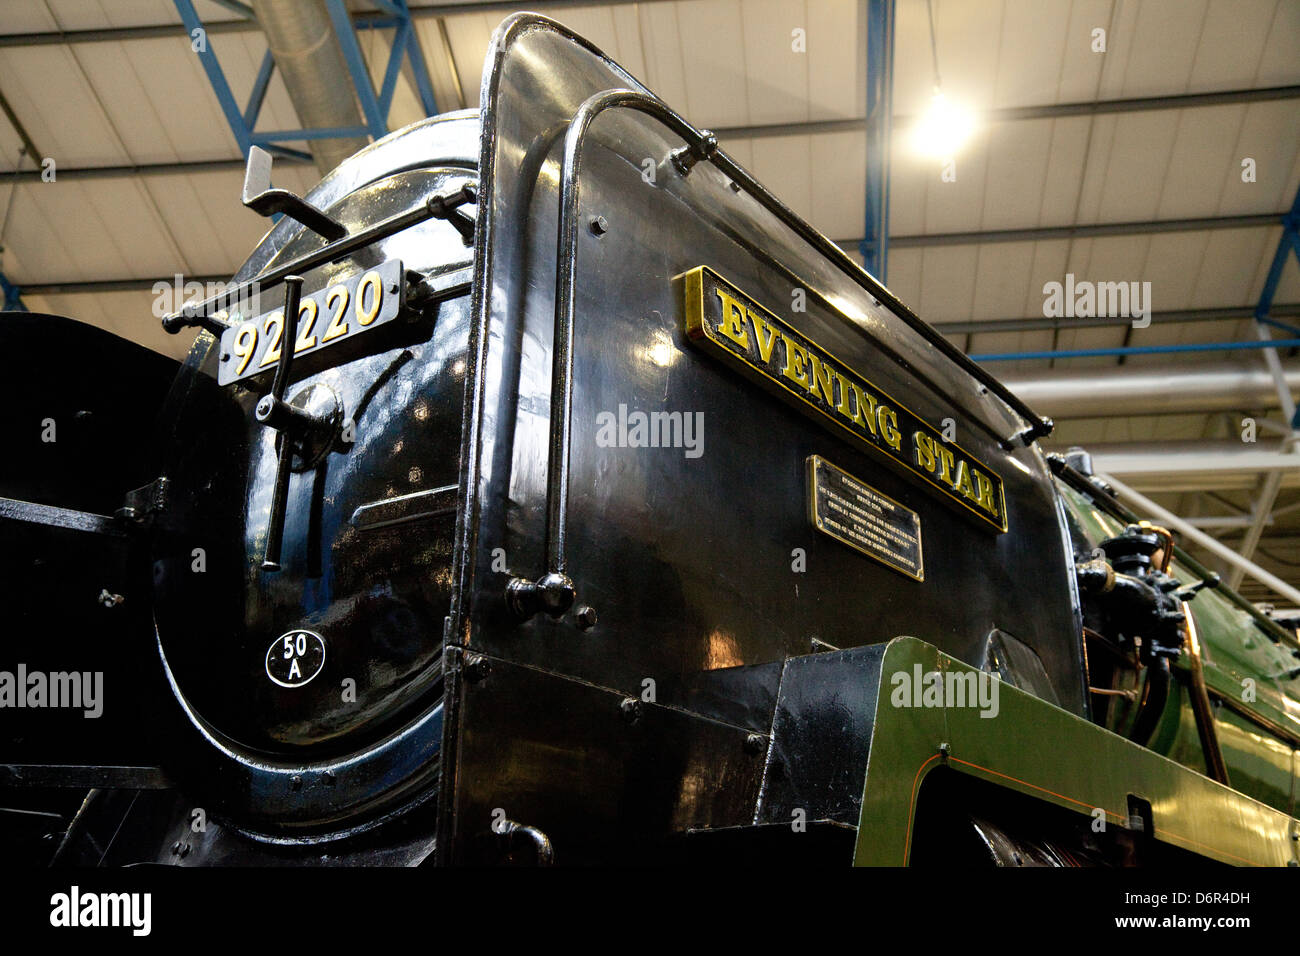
x=945, y=126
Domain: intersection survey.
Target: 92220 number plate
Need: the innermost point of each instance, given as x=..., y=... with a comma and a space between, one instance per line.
x=341, y=312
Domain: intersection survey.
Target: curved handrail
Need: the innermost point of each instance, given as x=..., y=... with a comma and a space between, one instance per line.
x=554, y=592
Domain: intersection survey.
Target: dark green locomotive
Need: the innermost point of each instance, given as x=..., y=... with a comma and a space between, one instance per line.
x=603, y=511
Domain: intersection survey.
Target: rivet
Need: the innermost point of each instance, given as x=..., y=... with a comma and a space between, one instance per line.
x=477, y=667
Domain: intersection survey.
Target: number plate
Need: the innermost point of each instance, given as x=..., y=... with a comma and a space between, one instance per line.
x=339, y=313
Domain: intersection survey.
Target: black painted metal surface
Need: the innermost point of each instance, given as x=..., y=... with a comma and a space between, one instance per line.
x=79, y=410
x=821, y=733
x=690, y=562
x=604, y=777
x=363, y=732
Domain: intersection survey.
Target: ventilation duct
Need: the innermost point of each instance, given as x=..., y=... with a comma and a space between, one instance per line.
x=310, y=61
x=1140, y=390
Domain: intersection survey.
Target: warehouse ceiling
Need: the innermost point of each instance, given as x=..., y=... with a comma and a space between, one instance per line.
x=1117, y=166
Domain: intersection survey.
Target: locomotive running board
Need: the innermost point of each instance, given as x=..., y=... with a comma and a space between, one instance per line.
x=1038, y=750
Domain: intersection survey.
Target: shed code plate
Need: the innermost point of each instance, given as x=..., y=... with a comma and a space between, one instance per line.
x=854, y=513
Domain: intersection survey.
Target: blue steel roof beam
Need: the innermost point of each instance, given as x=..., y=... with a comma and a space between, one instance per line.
x=406, y=43
x=234, y=6
x=285, y=152
x=375, y=119
x=880, y=94
x=258, y=94
x=216, y=76
x=421, y=69
x=1280, y=325
x=1289, y=243
x=12, y=296
x=401, y=37
x=320, y=132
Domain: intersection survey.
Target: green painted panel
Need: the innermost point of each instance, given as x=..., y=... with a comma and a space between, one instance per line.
x=1030, y=746
x=1258, y=763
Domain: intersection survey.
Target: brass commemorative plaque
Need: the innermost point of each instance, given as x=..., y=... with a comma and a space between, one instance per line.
x=854, y=513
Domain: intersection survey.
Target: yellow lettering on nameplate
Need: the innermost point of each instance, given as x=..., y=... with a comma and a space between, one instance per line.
x=725, y=322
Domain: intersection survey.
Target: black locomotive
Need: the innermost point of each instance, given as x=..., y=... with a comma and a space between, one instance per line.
x=573, y=526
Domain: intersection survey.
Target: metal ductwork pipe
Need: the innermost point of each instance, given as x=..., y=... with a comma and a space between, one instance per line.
x=1135, y=390
x=310, y=61
x=1196, y=465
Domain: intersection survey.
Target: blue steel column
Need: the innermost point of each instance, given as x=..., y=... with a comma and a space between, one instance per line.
x=258, y=94
x=1289, y=243
x=880, y=96
x=421, y=70
x=216, y=76
x=1262, y=507
x=375, y=106
x=11, y=295
x=375, y=119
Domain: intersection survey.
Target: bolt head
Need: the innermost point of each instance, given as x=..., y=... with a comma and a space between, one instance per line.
x=755, y=744
x=295, y=782
x=599, y=226
x=586, y=616
x=631, y=709
x=477, y=667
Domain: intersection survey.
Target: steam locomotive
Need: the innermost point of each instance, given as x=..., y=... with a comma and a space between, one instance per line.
x=544, y=490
